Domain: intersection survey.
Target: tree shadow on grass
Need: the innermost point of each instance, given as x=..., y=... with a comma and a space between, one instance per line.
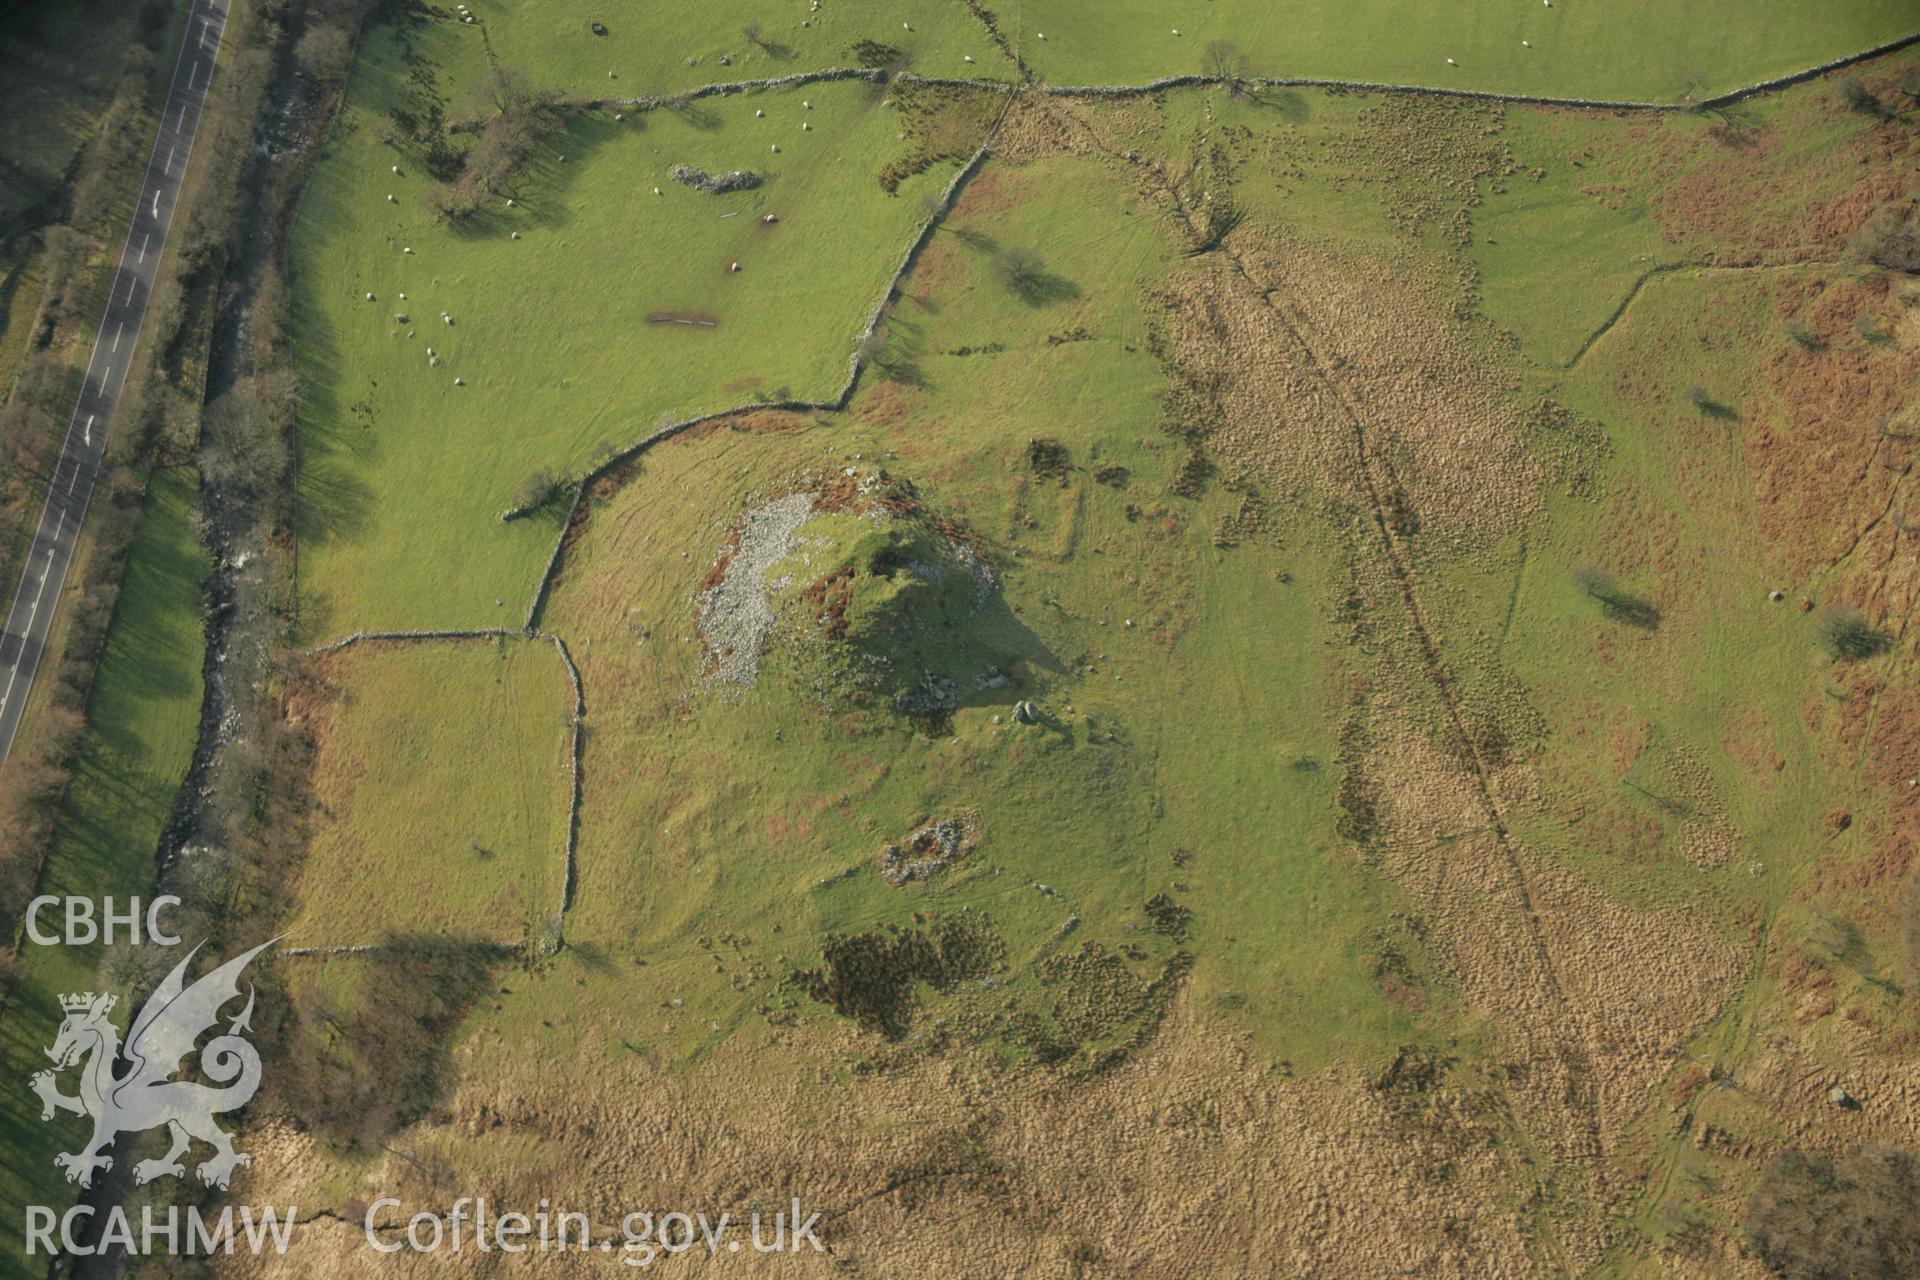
x=1711, y=406
x=370, y=1058
x=1046, y=289
x=1615, y=600
x=1288, y=104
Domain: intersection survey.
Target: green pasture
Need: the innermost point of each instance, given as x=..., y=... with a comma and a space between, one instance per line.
x=613, y=311
x=1191, y=753
x=143, y=717
x=1642, y=50
x=683, y=44
x=61, y=63
x=444, y=775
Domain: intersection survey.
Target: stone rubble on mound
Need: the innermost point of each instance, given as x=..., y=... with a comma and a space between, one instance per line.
x=929, y=848
x=739, y=610
x=736, y=614
x=714, y=183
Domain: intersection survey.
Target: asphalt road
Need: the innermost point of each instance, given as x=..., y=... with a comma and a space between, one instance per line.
x=23, y=643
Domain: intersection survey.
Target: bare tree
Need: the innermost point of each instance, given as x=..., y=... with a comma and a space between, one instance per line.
x=1847, y=634
x=1223, y=61
x=1020, y=270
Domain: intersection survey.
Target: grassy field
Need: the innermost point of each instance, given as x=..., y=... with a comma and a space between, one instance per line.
x=1644, y=51
x=404, y=474
x=144, y=714
x=683, y=44
x=445, y=777
x=1138, y=638
x=63, y=62
x=1383, y=497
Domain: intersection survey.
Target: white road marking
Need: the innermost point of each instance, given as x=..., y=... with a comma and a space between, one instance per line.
x=215, y=24
x=117, y=331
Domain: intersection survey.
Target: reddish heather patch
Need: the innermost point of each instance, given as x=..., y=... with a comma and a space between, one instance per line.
x=1749, y=738
x=986, y=193
x=830, y=598
x=1827, y=472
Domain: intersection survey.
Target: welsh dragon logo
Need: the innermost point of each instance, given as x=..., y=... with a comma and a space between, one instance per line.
x=145, y=1096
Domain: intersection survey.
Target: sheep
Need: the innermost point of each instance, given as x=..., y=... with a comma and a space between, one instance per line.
x=400, y=318
x=1526, y=44
x=392, y=198
x=459, y=382
x=396, y=168
x=509, y=202
x=369, y=297
x=775, y=148
x=446, y=317
x=403, y=297
x=516, y=235
x=1176, y=31
x=656, y=191
x=734, y=267
x=805, y=127
x=967, y=57
x=1452, y=63
x=805, y=105
x=759, y=115
x=1040, y=35
x=406, y=250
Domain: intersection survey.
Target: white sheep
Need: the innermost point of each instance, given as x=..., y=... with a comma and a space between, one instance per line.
x=775, y=148
x=396, y=168
x=369, y=297
x=734, y=267
x=1452, y=63
x=759, y=115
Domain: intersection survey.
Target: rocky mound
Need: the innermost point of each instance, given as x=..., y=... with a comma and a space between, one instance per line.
x=714, y=183
x=871, y=597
